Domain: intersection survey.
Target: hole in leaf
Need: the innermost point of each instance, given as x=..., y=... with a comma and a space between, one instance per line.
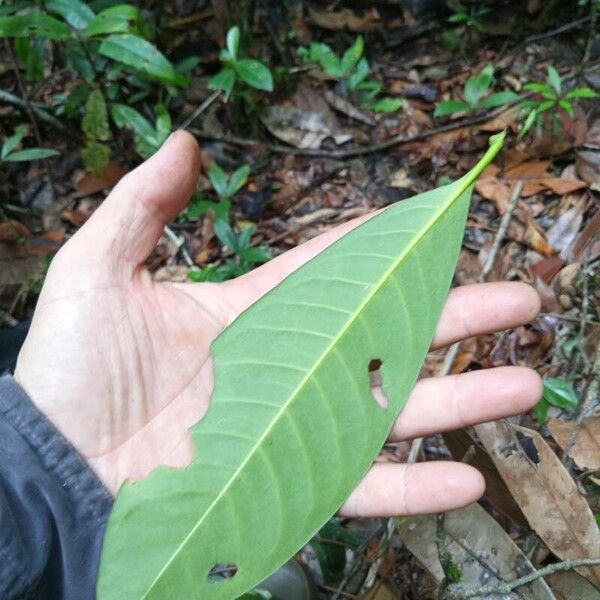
x=375, y=383
x=221, y=571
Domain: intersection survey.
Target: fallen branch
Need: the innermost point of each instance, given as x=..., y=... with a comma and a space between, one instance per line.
x=455, y=592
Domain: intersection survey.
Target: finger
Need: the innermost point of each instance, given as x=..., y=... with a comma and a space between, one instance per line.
x=130, y=221
x=445, y=403
x=390, y=489
x=484, y=308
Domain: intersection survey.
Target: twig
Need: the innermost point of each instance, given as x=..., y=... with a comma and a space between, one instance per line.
x=9, y=98
x=396, y=140
x=455, y=592
x=30, y=113
x=350, y=572
x=179, y=243
x=562, y=29
x=502, y=228
x=590, y=40
x=452, y=353
x=200, y=109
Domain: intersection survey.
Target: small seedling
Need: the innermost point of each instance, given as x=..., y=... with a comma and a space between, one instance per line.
x=246, y=256
x=557, y=392
x=352, y=68
x=471, y=17
x=225, y=186
x=9, y=153
x=248, y=70
x=550, y=96
x=148, y=137
x=477, y=96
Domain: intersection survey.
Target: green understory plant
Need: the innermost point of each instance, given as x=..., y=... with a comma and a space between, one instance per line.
x=550, y=99
x=470, y=17
x=148, y=137
x=557, y=392
x=353, y=69
x=9, y=152
x=95, y=155
x=235, y=68
x=245, y=257
x=476, y=96
x=279, y=450
x=225, y=187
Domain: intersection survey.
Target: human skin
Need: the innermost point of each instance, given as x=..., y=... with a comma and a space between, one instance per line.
x=121, y=364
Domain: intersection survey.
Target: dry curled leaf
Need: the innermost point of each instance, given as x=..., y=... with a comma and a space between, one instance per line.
x=545, y=491
x=478, y=545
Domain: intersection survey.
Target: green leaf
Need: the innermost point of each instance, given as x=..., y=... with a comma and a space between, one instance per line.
x=559, y=392
x=254, y=73
x=233, y=41
x=14, y=140
x=126, y=117
x=223, y=80
x=95, y=118
x=541, y=412
x=529, y=121
x=258, y=254
x=566, y=106
x=76, y=13
x=359, y=74
x=449, y=107
x=499, y=99
x=584, y=92
x=34, y=23
x=137, y=53
x=387, y=105
x=95, y=156
x=554, y=79
x=541, y=88
x=478, y=85
x=237, y=180
x=77, y=60
x=352, y=55
x=292, y=425
x=123, y=18
x=225, y=234
x=218, y=179
x=458, y=18
x=163, y=123
x=30, y=154
x=323, y=55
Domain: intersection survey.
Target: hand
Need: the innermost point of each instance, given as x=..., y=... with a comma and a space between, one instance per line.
x=121, y=364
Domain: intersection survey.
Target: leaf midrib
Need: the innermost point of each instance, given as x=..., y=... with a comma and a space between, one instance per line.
x=462, y=185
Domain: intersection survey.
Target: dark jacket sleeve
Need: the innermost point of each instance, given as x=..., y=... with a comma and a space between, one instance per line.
x=53, y=509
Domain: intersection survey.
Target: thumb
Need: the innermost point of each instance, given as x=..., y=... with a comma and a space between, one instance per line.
x=128, y=224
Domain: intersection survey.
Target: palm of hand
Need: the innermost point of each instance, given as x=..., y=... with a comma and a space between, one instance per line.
x=121, y=364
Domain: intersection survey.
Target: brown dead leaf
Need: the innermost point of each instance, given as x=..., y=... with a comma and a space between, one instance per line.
x=547, y=268
x=571, y=586
x=463, y=448
x=563, y=232
x=344, y=19
x=91, y=184
x=503, y=121
x=12, y=231
x=586, y=451
x=478, y=545
x=545, y=492
x=496, y=191
x=562, y=186
x=305, y=121
x=587, y=246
